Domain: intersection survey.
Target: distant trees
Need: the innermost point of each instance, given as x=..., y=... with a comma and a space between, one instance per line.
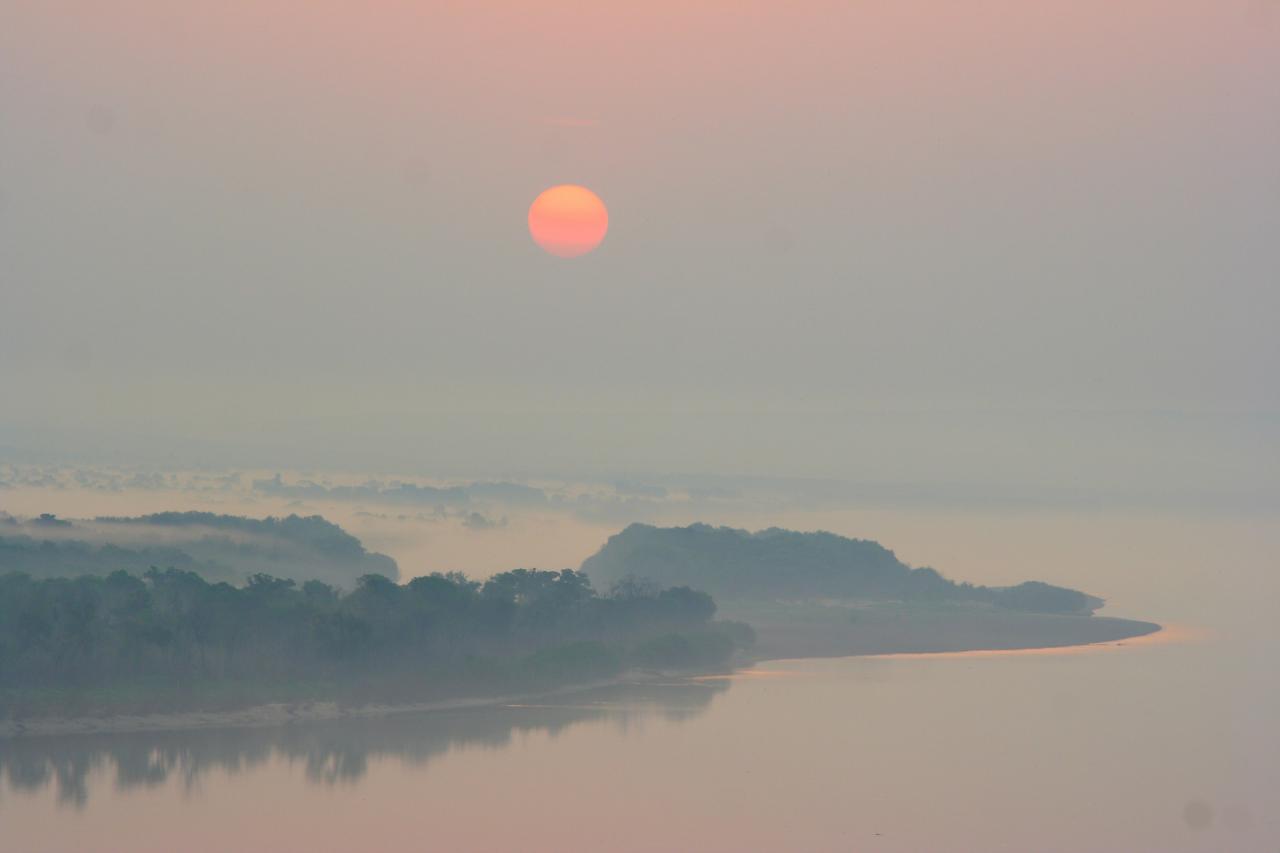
x=219, y=547
x=783, y=564
x=1044, y=598
x=175, y=626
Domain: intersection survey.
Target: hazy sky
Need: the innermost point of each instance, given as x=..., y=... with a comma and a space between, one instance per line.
x=982, y=242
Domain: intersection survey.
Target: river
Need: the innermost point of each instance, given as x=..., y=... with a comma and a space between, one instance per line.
x=1163, y=744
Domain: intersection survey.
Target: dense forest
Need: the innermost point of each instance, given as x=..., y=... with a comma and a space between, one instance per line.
x=434, y=636
x=784, y=564
x=219, y=547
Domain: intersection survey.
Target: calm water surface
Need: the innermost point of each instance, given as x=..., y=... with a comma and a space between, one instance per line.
x=1166, y=745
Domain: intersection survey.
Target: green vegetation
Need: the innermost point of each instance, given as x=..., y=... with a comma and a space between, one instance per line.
x=782, y=564
x=220, y=547
x=170, y=639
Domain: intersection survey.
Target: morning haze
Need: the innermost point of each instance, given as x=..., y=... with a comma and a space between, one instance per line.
x=915, y=413
x=1076, y=225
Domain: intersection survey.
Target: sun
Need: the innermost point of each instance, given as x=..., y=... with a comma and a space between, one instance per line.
x=568, y=220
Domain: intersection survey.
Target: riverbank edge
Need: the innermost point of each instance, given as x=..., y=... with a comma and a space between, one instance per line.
x=284, y=713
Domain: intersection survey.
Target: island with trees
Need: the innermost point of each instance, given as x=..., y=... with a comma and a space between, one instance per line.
x=80, y=642
x=819, y=594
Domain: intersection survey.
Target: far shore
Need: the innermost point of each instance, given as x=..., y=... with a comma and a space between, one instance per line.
x=777, y=641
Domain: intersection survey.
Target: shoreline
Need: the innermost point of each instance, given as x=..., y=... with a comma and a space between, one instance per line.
x=1157, y=635
x=285, y=713
x=268, y=714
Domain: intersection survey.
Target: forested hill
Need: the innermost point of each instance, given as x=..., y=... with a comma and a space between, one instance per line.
x=776, y=564
x=220, y=547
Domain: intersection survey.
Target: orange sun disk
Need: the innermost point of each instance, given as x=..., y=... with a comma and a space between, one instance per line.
x=568, y=220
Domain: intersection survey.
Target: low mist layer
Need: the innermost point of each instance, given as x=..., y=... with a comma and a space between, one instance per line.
x=220, y=547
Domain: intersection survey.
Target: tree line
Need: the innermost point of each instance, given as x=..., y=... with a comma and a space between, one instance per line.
x=174, y=627
x=785, y=564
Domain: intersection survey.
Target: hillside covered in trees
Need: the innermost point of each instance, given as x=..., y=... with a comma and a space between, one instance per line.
x=174, y=635
x=782, y=564
x=219, y=547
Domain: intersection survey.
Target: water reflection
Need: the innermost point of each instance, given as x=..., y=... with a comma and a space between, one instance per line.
x=333, y=751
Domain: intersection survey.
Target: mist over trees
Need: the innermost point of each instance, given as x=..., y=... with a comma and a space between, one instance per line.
x=76, y=620
x=777, y=564
x=220, y=547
